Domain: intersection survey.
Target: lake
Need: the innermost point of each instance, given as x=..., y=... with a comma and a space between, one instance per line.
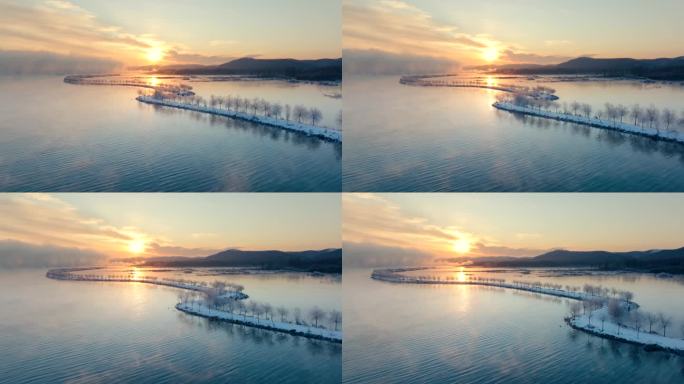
x=404, y=333
x=72, y=331
x=62, y=137
x=409, y=138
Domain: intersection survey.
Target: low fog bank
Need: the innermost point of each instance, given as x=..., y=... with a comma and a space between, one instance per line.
x=45, y=63
x=375, y=62
x=17, y=254
x=365, y=255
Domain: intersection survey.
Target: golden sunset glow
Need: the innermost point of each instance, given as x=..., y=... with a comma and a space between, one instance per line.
x=490, y=54
x=154, y=55
x=461, y=276
x=136, y=246
x=491, y=81
x=153, y=81
x=462, y=246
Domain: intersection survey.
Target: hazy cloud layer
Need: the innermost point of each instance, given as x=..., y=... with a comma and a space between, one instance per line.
x=372, y=223
x=46, y=63
x=519, y=57
x=376, y=62
x=365, y=255
x=44, y=219
x=17, y=254
x=398, y=27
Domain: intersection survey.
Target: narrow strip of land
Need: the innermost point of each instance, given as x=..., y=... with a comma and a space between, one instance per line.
x=311, y=130
x=623, y=127
x=219, y=296
x=598, y=308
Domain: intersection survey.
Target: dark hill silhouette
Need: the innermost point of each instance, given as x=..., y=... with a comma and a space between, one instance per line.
x=667, y=260
x=657, y=69
x=326, y=260
x=312, y=70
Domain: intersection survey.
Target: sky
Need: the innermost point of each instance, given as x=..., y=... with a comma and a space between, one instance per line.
x=179, y=32
x=480, y=32
x=107, y=226
x=403, y=228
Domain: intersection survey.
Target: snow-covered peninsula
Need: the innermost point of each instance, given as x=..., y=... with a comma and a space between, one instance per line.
x=595, y=312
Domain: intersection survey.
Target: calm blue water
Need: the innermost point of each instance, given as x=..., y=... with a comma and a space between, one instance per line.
x=402, y=138
x=404, y=333
x=84, y=332
x=60, y=137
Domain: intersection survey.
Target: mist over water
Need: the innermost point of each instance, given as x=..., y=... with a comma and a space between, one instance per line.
x=403, y=333
x=61, y=137
x=407, y=138
x=61, y=331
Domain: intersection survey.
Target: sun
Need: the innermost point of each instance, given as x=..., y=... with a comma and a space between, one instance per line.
x=154, y=54
x=461, y=246
x=136, y=246
x=490, y=54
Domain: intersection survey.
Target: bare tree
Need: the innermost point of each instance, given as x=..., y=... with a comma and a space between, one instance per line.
x=276, y=110
x=283, y=312
x=335, y=317
x=586, y=109
x=297, y=313
x=288, y=112
x=575, y=308
x=316, y=314
x=575, y=106
x=668, y=118
x=637, y=319
x=300, y=113
x=652, y=116
x=664, y=321
x=616, y=312
x=603, y=317
x=315, y=115
x=621, y=111
x=652, y=318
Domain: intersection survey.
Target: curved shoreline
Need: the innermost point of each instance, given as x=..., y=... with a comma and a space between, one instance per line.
x=671, y=136
x=580, y=322
x=310, y=130
x=65, y=274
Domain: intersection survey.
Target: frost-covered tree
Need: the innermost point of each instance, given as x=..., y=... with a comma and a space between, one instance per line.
x=635, y=113
x=668, y=118
x=664, y=322
x=315, y=115
x=316, y=314
x=283, y=312
x=652, y=116
x=335, y=317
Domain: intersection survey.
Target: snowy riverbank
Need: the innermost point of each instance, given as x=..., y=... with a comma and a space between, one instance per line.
x=195, y=308
x=321, y=132
x=604, y=325
x=625, y=333
x=665, y=135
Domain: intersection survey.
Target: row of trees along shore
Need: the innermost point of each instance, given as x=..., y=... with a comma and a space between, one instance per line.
x=647, y=117
x=255, y=106
x=316, y=316
x=623, y=316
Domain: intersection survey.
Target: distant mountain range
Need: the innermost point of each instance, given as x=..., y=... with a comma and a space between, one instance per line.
x=656, y=69
x=311, y=70
x=667, y=260
x=325, y=261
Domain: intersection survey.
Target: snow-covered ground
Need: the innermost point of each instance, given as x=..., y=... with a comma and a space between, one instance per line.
x=197, y=309
x=624, y=332
x=591, y=324
x=670, y=135
x=322, y=132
